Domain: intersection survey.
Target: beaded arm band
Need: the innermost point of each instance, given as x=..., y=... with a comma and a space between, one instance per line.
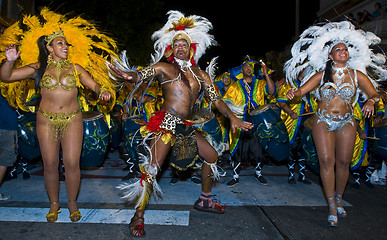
x=146, y=73
x=212, y=93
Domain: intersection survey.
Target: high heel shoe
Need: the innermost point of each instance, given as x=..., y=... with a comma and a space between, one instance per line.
x=53, y=216
x=340, y=210
x=332, y=219
x=75, y=216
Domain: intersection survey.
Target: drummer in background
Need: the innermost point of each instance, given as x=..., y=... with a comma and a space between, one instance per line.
x=248, y=92
x=290, y=115
x=223, y=82
x=376, y=163
x=360, y=152
x=364, y=154
x=143, y=104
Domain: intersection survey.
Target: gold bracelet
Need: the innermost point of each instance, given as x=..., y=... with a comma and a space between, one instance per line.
x=373, y=100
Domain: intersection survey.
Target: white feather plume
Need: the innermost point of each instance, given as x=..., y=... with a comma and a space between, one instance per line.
x=238, y=110
x=211, y=68
x=310, y=52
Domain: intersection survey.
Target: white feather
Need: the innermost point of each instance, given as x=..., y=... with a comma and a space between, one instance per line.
x=211, y=68
x=236, y=109
x=310, y=52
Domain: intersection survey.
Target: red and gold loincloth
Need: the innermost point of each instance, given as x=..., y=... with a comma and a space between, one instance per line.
x=179, y=133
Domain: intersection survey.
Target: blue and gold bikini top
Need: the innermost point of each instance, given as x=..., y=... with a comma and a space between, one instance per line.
x=67, y=81
x=346, y=91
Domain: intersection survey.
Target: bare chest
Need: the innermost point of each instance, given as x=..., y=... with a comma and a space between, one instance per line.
x=186, y=81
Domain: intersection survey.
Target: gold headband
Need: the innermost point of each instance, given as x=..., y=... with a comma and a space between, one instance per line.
x=54, y=35
x=181, y=35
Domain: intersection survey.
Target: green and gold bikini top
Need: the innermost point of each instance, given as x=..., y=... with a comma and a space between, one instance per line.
x=68, y=81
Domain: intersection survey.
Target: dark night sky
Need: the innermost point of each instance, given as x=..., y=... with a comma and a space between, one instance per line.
x=240, y=28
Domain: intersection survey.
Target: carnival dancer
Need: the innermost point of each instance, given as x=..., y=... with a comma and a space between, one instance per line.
x=46, y=56
x=183, y=40
x=291, y=116
x=339, y=54
x=248, y=92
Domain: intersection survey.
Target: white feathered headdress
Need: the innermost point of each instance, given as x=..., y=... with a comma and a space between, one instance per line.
x=193, y=28
x=310, y=52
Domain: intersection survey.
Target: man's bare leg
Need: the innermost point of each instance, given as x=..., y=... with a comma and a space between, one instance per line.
x=208, y=153
x=159, y=153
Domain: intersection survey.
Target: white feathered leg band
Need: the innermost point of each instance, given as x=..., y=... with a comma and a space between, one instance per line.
x=217, y=171
x=141, y=189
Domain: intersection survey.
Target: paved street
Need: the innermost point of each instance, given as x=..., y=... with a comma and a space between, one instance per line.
x=254, y=211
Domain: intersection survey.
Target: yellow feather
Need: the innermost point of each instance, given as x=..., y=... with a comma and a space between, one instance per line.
x=52, y=16
x=84, y=38
x=31, y=21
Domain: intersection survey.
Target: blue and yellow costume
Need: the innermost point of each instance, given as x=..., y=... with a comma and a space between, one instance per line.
x=295, y=126
x=251, y=96
x=219, y=82
x=361, y=156
x=247, y=96
x=298, y=106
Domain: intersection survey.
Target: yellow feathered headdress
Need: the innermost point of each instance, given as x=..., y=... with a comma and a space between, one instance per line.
x=89, y=48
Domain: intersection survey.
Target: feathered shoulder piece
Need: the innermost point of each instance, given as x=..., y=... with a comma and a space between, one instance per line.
x=194, y=29
x=89, y=48
x=310, y=52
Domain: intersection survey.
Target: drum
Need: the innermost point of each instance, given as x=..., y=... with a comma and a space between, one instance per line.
x=380, y=145
x=207, y=122
x=95, y=140
x=28, y=144
x=275, y=108
x=308, y=150
x=132, y=136
x=115, y=132
x=270, y=132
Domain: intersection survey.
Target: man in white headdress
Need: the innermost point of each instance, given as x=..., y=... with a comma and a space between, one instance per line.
x=182, y=41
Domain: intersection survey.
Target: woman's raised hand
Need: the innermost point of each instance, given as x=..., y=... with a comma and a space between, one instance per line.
x=11, y=53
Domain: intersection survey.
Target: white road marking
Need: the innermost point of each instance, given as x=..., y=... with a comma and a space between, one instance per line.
x=111, y=216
